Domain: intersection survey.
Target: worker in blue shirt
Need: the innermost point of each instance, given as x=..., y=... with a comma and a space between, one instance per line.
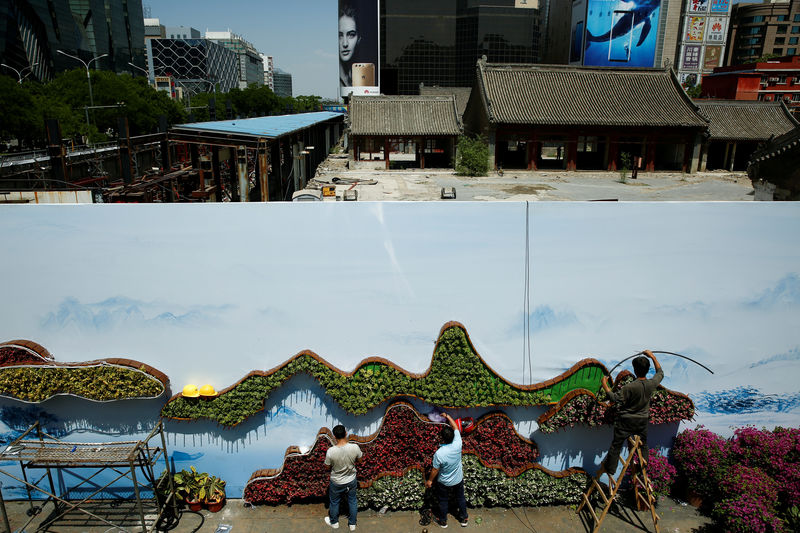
x=447, y=466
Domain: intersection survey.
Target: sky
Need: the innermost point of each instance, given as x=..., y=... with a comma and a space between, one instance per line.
x=301, y=37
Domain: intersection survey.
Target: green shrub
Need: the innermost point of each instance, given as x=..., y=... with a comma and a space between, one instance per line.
x=473, y=156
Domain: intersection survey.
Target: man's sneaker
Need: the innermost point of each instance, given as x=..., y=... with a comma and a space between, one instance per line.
x=333, y=525
x=352, y=527
x=441, y=523
x=464, y=522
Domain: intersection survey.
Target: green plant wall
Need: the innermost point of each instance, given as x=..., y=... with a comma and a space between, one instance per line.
x=457, y=377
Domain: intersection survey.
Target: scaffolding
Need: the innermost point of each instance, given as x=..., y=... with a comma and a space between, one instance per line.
x=36, y=450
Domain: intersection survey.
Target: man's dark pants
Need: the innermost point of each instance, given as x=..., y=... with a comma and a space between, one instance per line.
x=625, y=427
x=336, y=492
x=443, y=495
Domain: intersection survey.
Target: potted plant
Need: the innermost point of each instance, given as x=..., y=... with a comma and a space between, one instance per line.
x=214, y=494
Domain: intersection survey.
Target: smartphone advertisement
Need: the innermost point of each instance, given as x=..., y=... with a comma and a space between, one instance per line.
x=358, y=47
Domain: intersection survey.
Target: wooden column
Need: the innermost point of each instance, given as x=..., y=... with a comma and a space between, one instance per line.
x=263, y=172
x=613, y=151
x=422, y=153
x=572, y=152
x=650, y=154
x=386, y=145
x=232, y=175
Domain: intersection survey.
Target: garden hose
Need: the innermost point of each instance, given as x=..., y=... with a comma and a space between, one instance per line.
x=655, y=352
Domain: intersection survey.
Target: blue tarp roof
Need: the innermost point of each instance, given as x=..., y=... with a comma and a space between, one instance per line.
x=272, y=126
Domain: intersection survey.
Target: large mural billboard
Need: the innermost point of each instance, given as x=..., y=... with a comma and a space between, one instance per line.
x=577, y=30
x=620, y=33
x=423, y=306
x=358, y=50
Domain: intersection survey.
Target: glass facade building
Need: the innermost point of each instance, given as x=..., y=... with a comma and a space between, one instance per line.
x=439, y=42
x=197, y=65
x=32, y=31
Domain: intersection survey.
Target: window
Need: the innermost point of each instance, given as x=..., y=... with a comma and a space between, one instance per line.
x=755, y=30
x=795, y=29
x=781, y=79
x=778, y=51
x=759, y=18
x=791, y=52
x=780, y=40
x=796, y=18
x=792, y=40
x=782, y=29
x=783, y=18
x=796, y=97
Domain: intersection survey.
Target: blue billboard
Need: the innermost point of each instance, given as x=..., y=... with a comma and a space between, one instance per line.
x=621, y=33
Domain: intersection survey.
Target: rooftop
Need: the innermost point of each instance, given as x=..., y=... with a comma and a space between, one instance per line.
x=263, y=127
x=594, y=96
x=746, y=121
x=404, y=115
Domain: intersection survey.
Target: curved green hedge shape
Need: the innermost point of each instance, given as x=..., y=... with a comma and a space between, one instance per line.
x=457, y=377
x=94, y=381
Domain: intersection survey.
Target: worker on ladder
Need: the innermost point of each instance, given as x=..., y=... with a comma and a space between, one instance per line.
x=633, y=410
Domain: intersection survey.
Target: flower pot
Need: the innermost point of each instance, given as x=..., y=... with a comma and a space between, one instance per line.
x=693, y=498
x=194, y=505
x=215, y=505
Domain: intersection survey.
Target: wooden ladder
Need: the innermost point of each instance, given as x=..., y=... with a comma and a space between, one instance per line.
x=640, y=481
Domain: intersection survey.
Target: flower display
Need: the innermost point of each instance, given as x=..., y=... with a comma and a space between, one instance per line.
x=583, y=407
x=702, y=459
x=22, y=352
x=661, y=474
x=100, y=381
x=749, y=497
x=457, y=377
x=405, y=441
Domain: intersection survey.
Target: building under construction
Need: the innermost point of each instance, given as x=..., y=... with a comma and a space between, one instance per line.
x=257, y=159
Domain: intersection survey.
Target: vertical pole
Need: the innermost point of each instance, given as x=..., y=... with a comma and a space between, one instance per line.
x=215, y=172
x=232, y=166
x=124, y=150
x=241, y=155
x=733, y=156
x=137, y=495
x=572, y=152
x=166, y=160
x=3, y=510
x=386, y=147
x=55, y=149
x=263, y=172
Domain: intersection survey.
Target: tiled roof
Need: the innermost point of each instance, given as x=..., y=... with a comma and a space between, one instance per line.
x=787, y=144
x=404, y=115
x=461, y=94
x=592, y=96
x=735, y=120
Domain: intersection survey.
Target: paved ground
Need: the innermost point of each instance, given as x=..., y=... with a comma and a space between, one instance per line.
x=535, y=186
x=675, y=518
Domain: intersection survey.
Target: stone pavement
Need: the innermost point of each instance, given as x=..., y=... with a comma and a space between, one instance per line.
x=675, y=518
x=523, y=185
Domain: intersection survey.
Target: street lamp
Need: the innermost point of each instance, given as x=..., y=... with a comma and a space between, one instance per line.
x=146, y=72
x=19, y=72
x=88, y=78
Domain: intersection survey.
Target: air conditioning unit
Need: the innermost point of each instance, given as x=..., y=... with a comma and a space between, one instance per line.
x=773, y=79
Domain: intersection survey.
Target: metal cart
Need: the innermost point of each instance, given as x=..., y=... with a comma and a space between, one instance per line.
x=40, y=451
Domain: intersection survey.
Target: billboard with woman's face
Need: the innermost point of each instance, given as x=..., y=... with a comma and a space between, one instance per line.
x=358, y=47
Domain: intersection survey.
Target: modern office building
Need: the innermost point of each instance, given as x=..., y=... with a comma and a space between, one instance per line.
x=182, y=32
x=774, y=80
x=764, y=29
x=283, y=82
x=251, y=66
x=269, y=71
x=438, y=43
x=153, y=29
x=195, y=65
x=33, y=31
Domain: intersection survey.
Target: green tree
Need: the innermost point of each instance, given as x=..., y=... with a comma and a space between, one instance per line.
x=473, y=156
